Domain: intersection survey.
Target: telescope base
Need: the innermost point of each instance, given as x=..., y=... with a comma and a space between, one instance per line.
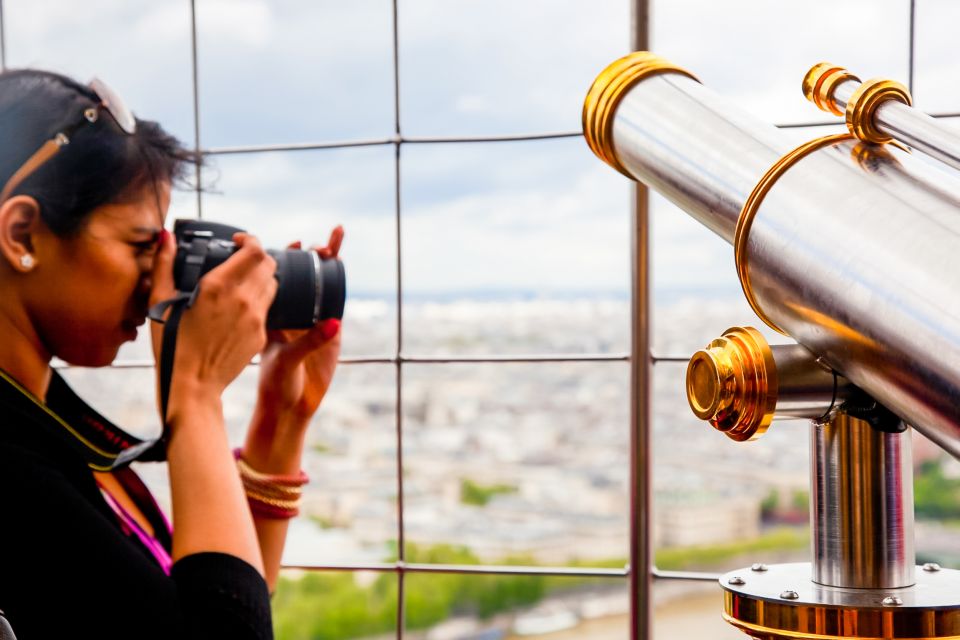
x=780, y=602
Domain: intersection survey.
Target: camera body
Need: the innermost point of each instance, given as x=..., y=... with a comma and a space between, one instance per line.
x=309, y=289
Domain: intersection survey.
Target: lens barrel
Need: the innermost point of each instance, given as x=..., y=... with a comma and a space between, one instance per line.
x=310, y=290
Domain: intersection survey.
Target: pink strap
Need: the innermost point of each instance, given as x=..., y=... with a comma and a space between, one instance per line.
x=130, y=524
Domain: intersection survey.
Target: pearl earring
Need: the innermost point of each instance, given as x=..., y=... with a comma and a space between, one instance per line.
x=26, y=261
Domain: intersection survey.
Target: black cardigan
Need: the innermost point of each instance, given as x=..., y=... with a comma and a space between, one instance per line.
x=68, y=570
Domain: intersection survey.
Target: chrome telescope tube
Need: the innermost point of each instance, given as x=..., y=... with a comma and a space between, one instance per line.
x=854, y=251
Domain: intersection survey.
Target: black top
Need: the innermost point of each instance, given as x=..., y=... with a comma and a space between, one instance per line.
x=68, y=570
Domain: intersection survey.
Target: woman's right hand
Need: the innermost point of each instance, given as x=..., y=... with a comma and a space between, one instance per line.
x=226, y=326
x=217, y=338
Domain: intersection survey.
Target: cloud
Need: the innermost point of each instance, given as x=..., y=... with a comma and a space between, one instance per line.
x=538, y=214
x=757, y=52
x=936, y=87
x=319, y=70
x=248, y=23
x=140, y=48
x=553, y=240
x=528, y=63
x=541, y=216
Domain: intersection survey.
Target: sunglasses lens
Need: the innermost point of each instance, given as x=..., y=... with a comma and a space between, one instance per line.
x=113, y=104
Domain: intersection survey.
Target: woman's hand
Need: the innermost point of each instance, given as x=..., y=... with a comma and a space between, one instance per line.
x=217, y=337
x=226, y=325
x=297, y=366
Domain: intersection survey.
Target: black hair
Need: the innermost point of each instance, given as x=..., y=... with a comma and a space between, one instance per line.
x=101, y=164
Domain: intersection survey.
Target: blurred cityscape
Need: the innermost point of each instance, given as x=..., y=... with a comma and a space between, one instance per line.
x=524, y=463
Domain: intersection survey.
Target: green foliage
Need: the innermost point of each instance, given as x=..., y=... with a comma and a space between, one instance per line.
x=334, y=606
x=479, y=495
x=674, y=558
x=323, y=522
x=800, y=500
x=935, y=496
x=480, y=595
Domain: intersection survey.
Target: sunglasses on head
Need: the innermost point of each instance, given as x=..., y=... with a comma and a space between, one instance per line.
x=109, y=102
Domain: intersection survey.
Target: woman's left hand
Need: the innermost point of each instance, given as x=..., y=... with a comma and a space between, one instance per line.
x=297, y=366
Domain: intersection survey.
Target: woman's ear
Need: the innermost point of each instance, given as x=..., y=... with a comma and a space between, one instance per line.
x=19, y=220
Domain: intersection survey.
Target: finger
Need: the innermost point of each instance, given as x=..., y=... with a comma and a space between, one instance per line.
x=329, y=328
x=336, y=239
x=162, y=285
x=319, y=335
x=295, y=245
x=333, y=244
x=248, y=258
x=278, y=336
x=263, y=282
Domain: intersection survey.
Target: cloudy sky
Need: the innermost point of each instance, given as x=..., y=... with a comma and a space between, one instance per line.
x=541, y=216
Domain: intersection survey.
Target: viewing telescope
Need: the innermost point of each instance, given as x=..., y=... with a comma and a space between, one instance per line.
x=850, y=245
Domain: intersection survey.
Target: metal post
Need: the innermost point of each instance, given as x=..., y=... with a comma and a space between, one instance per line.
x=397, y=145
x=3, y=40
x=641, y=369
x=912, y=47
x=861, y=505
x=196, y=103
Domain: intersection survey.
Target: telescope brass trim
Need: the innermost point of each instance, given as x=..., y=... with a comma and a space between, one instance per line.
x=606, y=92
x=865, y=101
x=813, y=613
x=782, y=603
x=821, y=81
x=733, y=384
x=820, y=84
x=752, y=205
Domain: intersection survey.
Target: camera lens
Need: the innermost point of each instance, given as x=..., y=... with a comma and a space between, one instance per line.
x=310, y=290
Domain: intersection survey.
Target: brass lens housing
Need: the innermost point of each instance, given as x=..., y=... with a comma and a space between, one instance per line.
x=733, y=384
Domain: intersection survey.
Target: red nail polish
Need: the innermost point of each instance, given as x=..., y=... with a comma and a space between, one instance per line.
x=329, y=328
x=162, y=239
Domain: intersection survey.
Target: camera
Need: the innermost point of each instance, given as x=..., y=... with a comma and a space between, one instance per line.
x=310, y=289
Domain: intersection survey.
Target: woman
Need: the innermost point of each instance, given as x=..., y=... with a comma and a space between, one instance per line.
x=83, y=255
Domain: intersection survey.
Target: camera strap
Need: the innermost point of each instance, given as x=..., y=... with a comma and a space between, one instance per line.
x=101, y=444
x=168, y=347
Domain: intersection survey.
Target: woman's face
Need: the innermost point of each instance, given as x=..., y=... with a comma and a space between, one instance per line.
x=89, y=291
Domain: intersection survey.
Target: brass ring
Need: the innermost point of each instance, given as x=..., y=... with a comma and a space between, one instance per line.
x=820, y=83
x=752, y=205
x=604, y=97
x=733, y=384
x=863, y=107
x=774, y=619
